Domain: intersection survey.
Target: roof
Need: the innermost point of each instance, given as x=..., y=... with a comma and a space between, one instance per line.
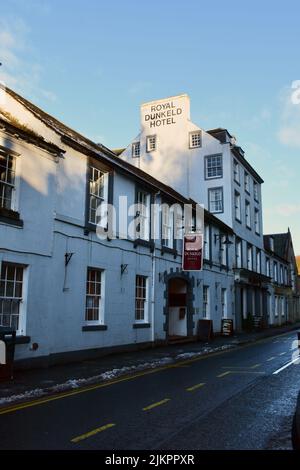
x=220, y=134
x=283, y=245
x=99, y=151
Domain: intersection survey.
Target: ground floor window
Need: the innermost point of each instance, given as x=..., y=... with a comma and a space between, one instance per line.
x=205, y=302
x=11, y=295
x=141, y=299
x=93, y=310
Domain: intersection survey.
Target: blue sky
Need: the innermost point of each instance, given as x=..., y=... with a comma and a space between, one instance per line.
x=92, y=63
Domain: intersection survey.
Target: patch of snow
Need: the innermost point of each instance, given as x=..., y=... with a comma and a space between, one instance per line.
x=108, y=375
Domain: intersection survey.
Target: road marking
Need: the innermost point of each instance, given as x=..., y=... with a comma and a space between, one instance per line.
x=281, y=354
x=223, y=374
x=158, y=403
x=247, y=372
x=92, y=433
x=42, y=401
x=255, y=366
x=194, y=387
x=271, y=359
x=297, y=359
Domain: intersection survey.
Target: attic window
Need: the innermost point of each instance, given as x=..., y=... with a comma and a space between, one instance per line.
x=136, y=150
x=151, y=143
x=195, y=139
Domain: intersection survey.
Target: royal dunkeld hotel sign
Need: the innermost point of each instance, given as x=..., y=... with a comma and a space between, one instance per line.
x=162, y=114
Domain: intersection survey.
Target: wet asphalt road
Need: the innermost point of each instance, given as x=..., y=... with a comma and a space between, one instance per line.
x=229, y=400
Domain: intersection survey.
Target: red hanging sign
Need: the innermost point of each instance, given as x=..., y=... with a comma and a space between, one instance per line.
x=192, y=259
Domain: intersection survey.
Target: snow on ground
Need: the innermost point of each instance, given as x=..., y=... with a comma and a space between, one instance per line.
x=108, y=375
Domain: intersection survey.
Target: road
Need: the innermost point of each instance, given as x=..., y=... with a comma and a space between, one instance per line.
x=229, y=400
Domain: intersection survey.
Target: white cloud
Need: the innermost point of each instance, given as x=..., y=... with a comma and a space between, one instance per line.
x=289, y=131
x=18, y=70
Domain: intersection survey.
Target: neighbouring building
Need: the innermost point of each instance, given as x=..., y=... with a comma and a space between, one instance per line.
x=210, y=167
x=70, y=294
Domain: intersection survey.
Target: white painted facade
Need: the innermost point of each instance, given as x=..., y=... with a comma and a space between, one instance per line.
x=47, y=223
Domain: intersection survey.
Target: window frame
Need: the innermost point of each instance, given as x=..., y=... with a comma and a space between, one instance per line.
x=168, y=242
x=248, y=215
x=237, y=196
x=22, y=300
x=148, y=146
x=247, y=182
x=104, y=198
x=145, y=300
x=219, y=188
x=236, y=166
x=134, y=146
x=206, y=302
x=191, y=135
x=257, y=220
x=100, y=308
x=143, y=217
x=249, y=260
x=206, y=159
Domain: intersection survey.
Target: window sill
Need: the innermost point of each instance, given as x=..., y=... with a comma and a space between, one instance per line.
x=248, y=228
x=142, y=242
x=141, y=325
x=238, y=220
x=94, y=328
x=10, y=217
x=167, y=249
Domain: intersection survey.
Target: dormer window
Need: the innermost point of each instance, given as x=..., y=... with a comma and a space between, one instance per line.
x=136, y=150
x=195, y=139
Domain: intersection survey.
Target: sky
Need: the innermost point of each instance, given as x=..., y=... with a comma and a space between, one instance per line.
x=92, y=63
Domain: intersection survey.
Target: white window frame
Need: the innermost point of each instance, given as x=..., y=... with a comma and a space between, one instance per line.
x=216, y=201
x=276, y=306
x=223, y=249
x=145, y=300
x=167, y=226
x=14, y=184
x=236, y=172
x=206, y=302
x=237, y=206
x=100, y=309
x=143, y=213
x=258, y=260
x=21, y=300
x=99, y=193
x=136, y=149
x=275, y=271
x=257, y=221
x=268, y=267
x=248, y=214
x=195, y=139
x=250, y=258
x=151, y=143
x=212, y=163
x=247, y=182
x=206, y=242
x=238, y=253
x=255, y=191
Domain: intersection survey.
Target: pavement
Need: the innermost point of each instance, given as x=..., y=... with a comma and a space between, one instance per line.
x=239, y=397
x=35, y=383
